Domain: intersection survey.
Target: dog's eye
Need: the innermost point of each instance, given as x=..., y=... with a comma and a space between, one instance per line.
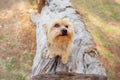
x=57, y=25
x=66, y=26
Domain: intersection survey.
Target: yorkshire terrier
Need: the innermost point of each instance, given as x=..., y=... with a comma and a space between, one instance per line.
x=60, y=39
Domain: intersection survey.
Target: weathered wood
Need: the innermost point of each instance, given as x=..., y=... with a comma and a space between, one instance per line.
x=40, y=3
x=84, y=54
x=69, y=76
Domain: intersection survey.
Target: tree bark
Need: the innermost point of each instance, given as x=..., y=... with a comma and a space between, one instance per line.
x=84, y=57
x=69, y=76
x=40, y=3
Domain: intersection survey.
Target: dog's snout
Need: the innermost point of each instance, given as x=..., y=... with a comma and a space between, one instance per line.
x=64, y=32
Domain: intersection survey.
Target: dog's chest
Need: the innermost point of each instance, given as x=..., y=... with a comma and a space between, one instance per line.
x=59, y=50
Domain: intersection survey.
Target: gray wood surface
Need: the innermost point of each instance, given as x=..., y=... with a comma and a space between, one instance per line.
x=69, y=76
x=84, y=54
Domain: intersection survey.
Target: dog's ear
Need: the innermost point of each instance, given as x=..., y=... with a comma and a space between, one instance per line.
x=45, y=28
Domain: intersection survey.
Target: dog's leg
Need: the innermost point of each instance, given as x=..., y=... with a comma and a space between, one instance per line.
x=51, y=54
x=65, y=58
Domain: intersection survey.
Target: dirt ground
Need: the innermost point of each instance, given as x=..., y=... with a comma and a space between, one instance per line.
x=102, y=19
x=15, y=28
x=17, y=41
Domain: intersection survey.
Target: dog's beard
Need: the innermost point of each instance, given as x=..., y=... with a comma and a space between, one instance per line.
x=58, y=39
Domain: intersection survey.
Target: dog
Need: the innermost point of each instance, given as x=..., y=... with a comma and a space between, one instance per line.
x=60, y=39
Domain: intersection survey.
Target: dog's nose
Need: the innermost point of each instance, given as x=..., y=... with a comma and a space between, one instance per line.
x=64, y=32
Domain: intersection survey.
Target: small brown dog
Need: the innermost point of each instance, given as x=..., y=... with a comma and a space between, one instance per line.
x=60, y=39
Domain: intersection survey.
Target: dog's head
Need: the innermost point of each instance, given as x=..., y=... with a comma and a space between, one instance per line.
x=60, y=32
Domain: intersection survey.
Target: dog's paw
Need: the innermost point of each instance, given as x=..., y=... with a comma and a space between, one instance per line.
x=51, y=56
x=65, y=60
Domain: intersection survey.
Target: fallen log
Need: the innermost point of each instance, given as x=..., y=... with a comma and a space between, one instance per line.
x=84, y=57
x=69, y=76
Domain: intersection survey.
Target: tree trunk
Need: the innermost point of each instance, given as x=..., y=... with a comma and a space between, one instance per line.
x=69, y=76
x=84, y=55
x=40, y=3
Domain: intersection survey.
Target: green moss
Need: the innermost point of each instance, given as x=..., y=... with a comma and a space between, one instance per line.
x=7, y=33
x=1, y=37
x=105, y=9
x=20, y=77
x=101, y=37
x=111, y=75
x=27, y=57
x=10, y=65
x=110, y=56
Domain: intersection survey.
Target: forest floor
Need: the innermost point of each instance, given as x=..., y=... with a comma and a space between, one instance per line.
x=17, y=40
x=102, y=19
x=17, y=35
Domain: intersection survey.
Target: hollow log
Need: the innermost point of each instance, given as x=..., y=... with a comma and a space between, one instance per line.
x=84, y=56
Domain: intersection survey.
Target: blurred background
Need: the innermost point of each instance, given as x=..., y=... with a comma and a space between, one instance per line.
x=18, y=40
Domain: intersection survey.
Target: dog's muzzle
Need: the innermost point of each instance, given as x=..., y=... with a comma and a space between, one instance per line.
x=64, y=32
